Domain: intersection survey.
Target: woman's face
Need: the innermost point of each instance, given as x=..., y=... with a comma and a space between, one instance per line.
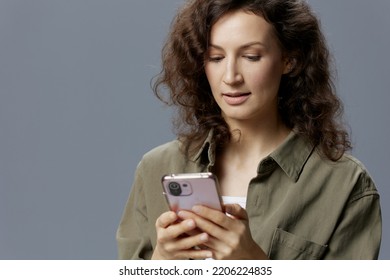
x=244, y=66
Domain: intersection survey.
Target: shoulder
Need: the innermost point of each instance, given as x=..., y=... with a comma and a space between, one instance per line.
x=350, y=173
x=347, y=163
x=365, y=184
x=166, y=156
x=164, y=151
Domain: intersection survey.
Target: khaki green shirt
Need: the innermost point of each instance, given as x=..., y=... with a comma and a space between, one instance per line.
x=300, y=205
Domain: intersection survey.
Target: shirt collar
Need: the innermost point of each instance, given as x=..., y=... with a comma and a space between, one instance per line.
x=207, y=149
x=291, y=155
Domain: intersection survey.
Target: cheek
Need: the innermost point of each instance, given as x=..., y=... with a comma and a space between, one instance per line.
x=212, y=77
x=264, y=77
x=255, y=79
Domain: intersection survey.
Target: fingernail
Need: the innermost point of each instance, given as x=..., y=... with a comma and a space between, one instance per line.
x=183, y=215
x=196, y=209
x=204, y=237
x=209, y=255
x=190, y=223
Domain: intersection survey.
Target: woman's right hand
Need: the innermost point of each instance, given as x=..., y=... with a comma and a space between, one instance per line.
x=174, y=242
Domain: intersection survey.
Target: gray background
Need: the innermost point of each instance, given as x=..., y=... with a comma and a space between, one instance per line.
x=77, y=113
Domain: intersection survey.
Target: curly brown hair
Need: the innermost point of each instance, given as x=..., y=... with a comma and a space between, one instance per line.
x=307, y=100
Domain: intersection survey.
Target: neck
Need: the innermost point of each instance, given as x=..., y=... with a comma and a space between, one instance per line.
x=237, y=163
x=255, y=140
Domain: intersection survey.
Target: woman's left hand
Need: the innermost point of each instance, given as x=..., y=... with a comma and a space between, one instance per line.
x=230, y=236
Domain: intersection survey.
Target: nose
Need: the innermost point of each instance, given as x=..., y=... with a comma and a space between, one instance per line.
x=232, y=75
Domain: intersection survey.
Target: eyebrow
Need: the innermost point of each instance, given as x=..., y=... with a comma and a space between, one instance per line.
x=248, y=45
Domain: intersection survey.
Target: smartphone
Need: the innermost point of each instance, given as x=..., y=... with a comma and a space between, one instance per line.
x=183, y=191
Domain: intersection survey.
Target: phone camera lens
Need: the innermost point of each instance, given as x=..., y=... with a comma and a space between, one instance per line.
x=174, y=188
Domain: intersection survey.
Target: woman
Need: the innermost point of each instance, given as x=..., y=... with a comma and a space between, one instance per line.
x=257, y=107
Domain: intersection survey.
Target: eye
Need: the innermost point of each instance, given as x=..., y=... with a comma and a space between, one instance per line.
x=252, y=57
x=216, y=58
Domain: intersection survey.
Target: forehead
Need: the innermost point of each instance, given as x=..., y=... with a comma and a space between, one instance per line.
x=240, y=27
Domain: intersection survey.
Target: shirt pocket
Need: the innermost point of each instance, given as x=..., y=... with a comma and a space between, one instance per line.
x=288, y=246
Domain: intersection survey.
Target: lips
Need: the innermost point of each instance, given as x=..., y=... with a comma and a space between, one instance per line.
x=235, y=98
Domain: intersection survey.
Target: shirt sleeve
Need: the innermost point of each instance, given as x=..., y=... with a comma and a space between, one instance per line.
x=359, y=230
x=132, y=240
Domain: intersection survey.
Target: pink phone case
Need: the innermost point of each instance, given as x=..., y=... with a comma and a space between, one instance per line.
x=185, y=190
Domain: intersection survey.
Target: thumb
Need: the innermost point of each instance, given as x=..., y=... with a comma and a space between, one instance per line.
x=236, y=211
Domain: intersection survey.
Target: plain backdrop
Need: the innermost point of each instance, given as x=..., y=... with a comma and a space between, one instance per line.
x=77, y=112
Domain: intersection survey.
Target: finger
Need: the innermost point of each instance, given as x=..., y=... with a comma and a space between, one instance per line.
x=204, y=224
x=194, y=254
x=215, y=216
x=166, y=219
x=184, y=248
x=236, y=211
x=219, y=248
x=213, y=243
x=174, y=231
x=193, y=232
x=186, y=215
x=186, y=243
